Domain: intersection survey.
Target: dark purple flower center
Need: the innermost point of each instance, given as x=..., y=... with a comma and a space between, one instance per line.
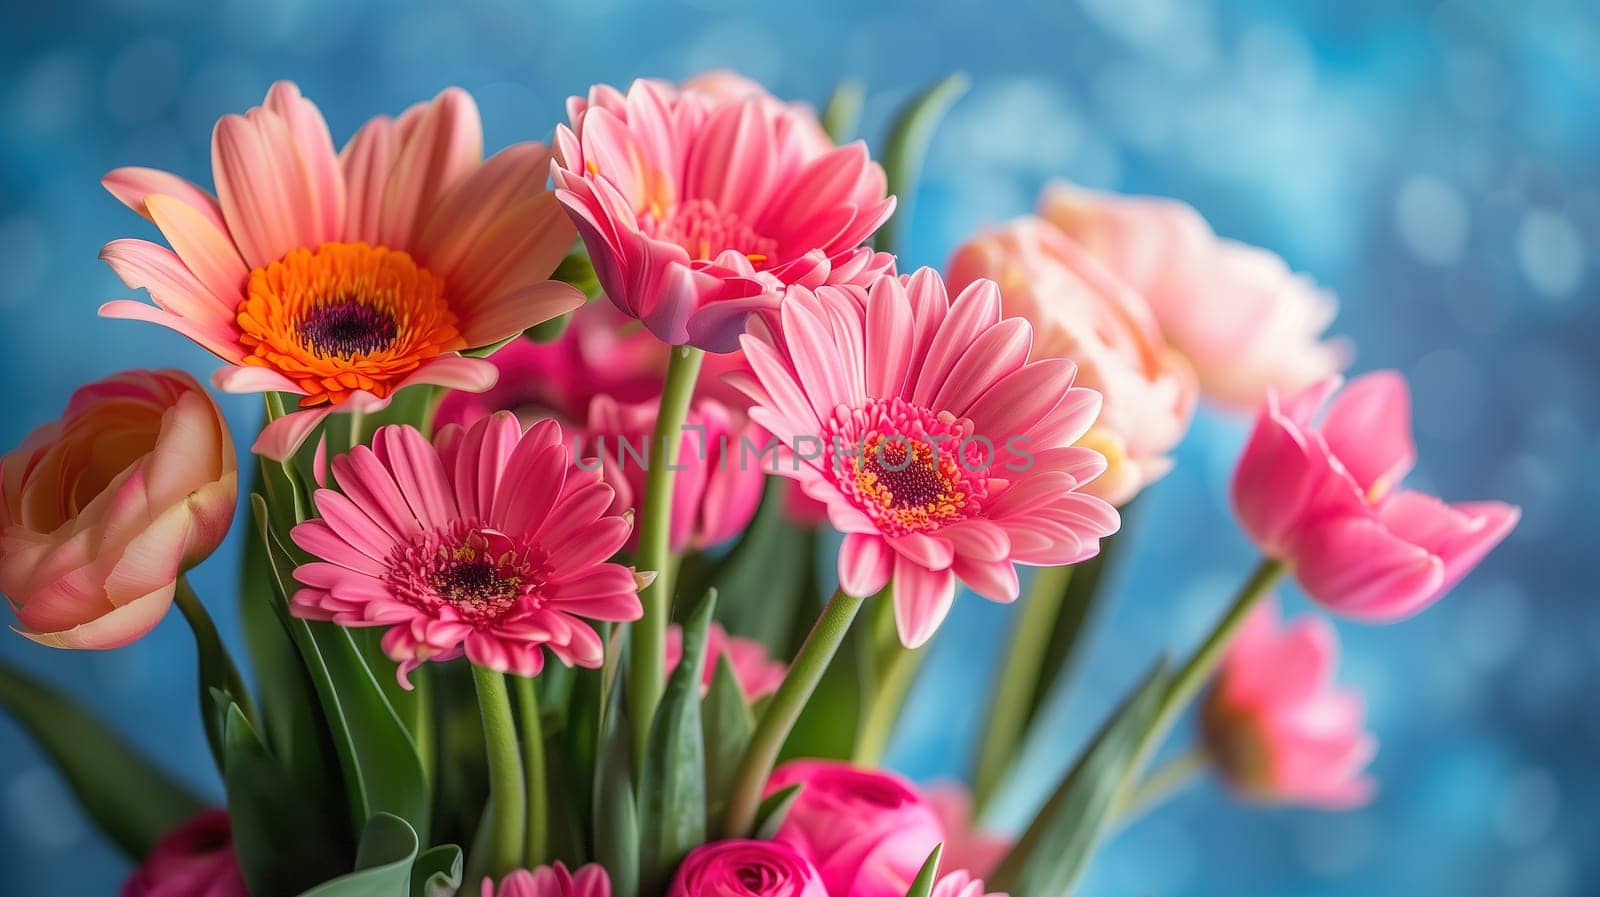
x=346, y=327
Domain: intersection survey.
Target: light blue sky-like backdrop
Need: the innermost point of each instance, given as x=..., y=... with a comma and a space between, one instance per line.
x=1433, y=163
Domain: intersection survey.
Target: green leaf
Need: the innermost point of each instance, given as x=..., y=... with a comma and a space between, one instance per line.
x=578, y=270
x=774, y=807
x=129, y=798
x=672, y=786
x=928, y=875
x=383, y=862
x=437, y=872
x=842, y=114
x=383, y=771
x=616, y=815
x=909, y=137
x=283, y=843
x=1051, y=855
x=486, y=351
x=726, y=723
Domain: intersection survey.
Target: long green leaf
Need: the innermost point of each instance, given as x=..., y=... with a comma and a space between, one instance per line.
x=726, y=722
x=616, y=814
x=129, y=798
x=437, y=872
x=774, y=807
x=1051, y=855
x=672, y=786
x=284, y=844
x=909, y=137
x=842, y=114
x=383, y=862
x=928, y=875
x=383, y=771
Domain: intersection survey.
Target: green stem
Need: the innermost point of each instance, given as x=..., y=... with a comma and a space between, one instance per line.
x=647, y=657
x=216, y=666
x=536, y=838
x=784, y=709
x=1024, y=664
x=1201, y=664
x=502, y=845
x=894, y=668
x=356, y=421
x=1156, y=788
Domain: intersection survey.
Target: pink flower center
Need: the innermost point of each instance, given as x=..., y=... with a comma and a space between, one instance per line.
x=909, y=468
x=706, y=231
x=481, y=573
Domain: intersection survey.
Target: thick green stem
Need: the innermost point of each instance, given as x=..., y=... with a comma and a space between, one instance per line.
x=894, y=668
x=1024, y=664
x=502, y=845
x=536, y=837
x=1201, y=664
x=784, y=709
x=1156, y=788
x=647, y=658
x=215, y=663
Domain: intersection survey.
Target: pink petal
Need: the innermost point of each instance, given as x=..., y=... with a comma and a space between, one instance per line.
x=280, y=439
x=865, y=564
x=206, y=249
x=443, y=147
x=133, y=185
x=1368, y=428
x=922, y=599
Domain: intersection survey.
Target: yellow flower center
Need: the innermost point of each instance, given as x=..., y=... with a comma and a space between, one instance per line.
x=345, y=317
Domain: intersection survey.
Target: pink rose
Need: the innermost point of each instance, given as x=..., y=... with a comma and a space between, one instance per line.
x=746, y=869
x=1081, y=311
x=868, y=832
x=101, y=510
x=1243, y=318
x=552, y=881
x=195, y=859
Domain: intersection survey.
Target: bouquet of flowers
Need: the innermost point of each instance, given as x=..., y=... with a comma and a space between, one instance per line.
x=565, y=451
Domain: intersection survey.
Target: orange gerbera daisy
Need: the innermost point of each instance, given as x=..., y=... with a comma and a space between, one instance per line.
x=342, y=278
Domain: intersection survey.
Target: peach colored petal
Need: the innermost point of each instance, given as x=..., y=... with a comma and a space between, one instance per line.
x=132, y=185
x=206, y=249
x=120, y=627
x=445, y=144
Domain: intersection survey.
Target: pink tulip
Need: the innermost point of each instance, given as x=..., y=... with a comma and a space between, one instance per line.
x=965, y=845
x=746, y=869
x=195, y=859
x=698, y=210
x=1322, y=497
x=756, y=673
x=552, y=881
x=718, y=482
x=1275, y=727
x=961, y=883
x=101, y=510
x=1241, y=316
x=1081, y=311
x=868, y=832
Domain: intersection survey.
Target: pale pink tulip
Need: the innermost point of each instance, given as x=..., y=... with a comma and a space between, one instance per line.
x=1321, y=495
x=940, y=449
x=490, y=542
x=1083, y=312
x=697, y=210
x=101, y=510
x=1241, y=316
x=718, y=482
x=344, y=277
x=757, y=674
x=961, y=883
x=867, y=831
x=195, y=859
x=741, y=868
x=1275, y=727
x=552, y=881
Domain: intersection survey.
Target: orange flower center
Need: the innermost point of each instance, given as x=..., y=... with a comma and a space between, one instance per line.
x=345, y=317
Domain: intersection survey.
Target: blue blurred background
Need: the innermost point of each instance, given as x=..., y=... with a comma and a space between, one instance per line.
x=1433, y=163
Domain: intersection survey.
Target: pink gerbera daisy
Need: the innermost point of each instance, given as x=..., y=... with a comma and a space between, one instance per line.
x=940, y=451
x=699, y=206
x=341, y=278
x=489, y=542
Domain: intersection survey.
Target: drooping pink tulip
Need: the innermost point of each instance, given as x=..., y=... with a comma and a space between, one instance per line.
x=551, y=881
x=489, y=542
x=1322, y=495
x=1241, y=316
x=867, y=831
x=718, y=482
x=941, y=451
x=742, y=868
x=344, y=277
x=1081, y=311
x=101, y=510
x=757, y=674
x=698, y=209
x=196, y=859
x=1275, y=727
